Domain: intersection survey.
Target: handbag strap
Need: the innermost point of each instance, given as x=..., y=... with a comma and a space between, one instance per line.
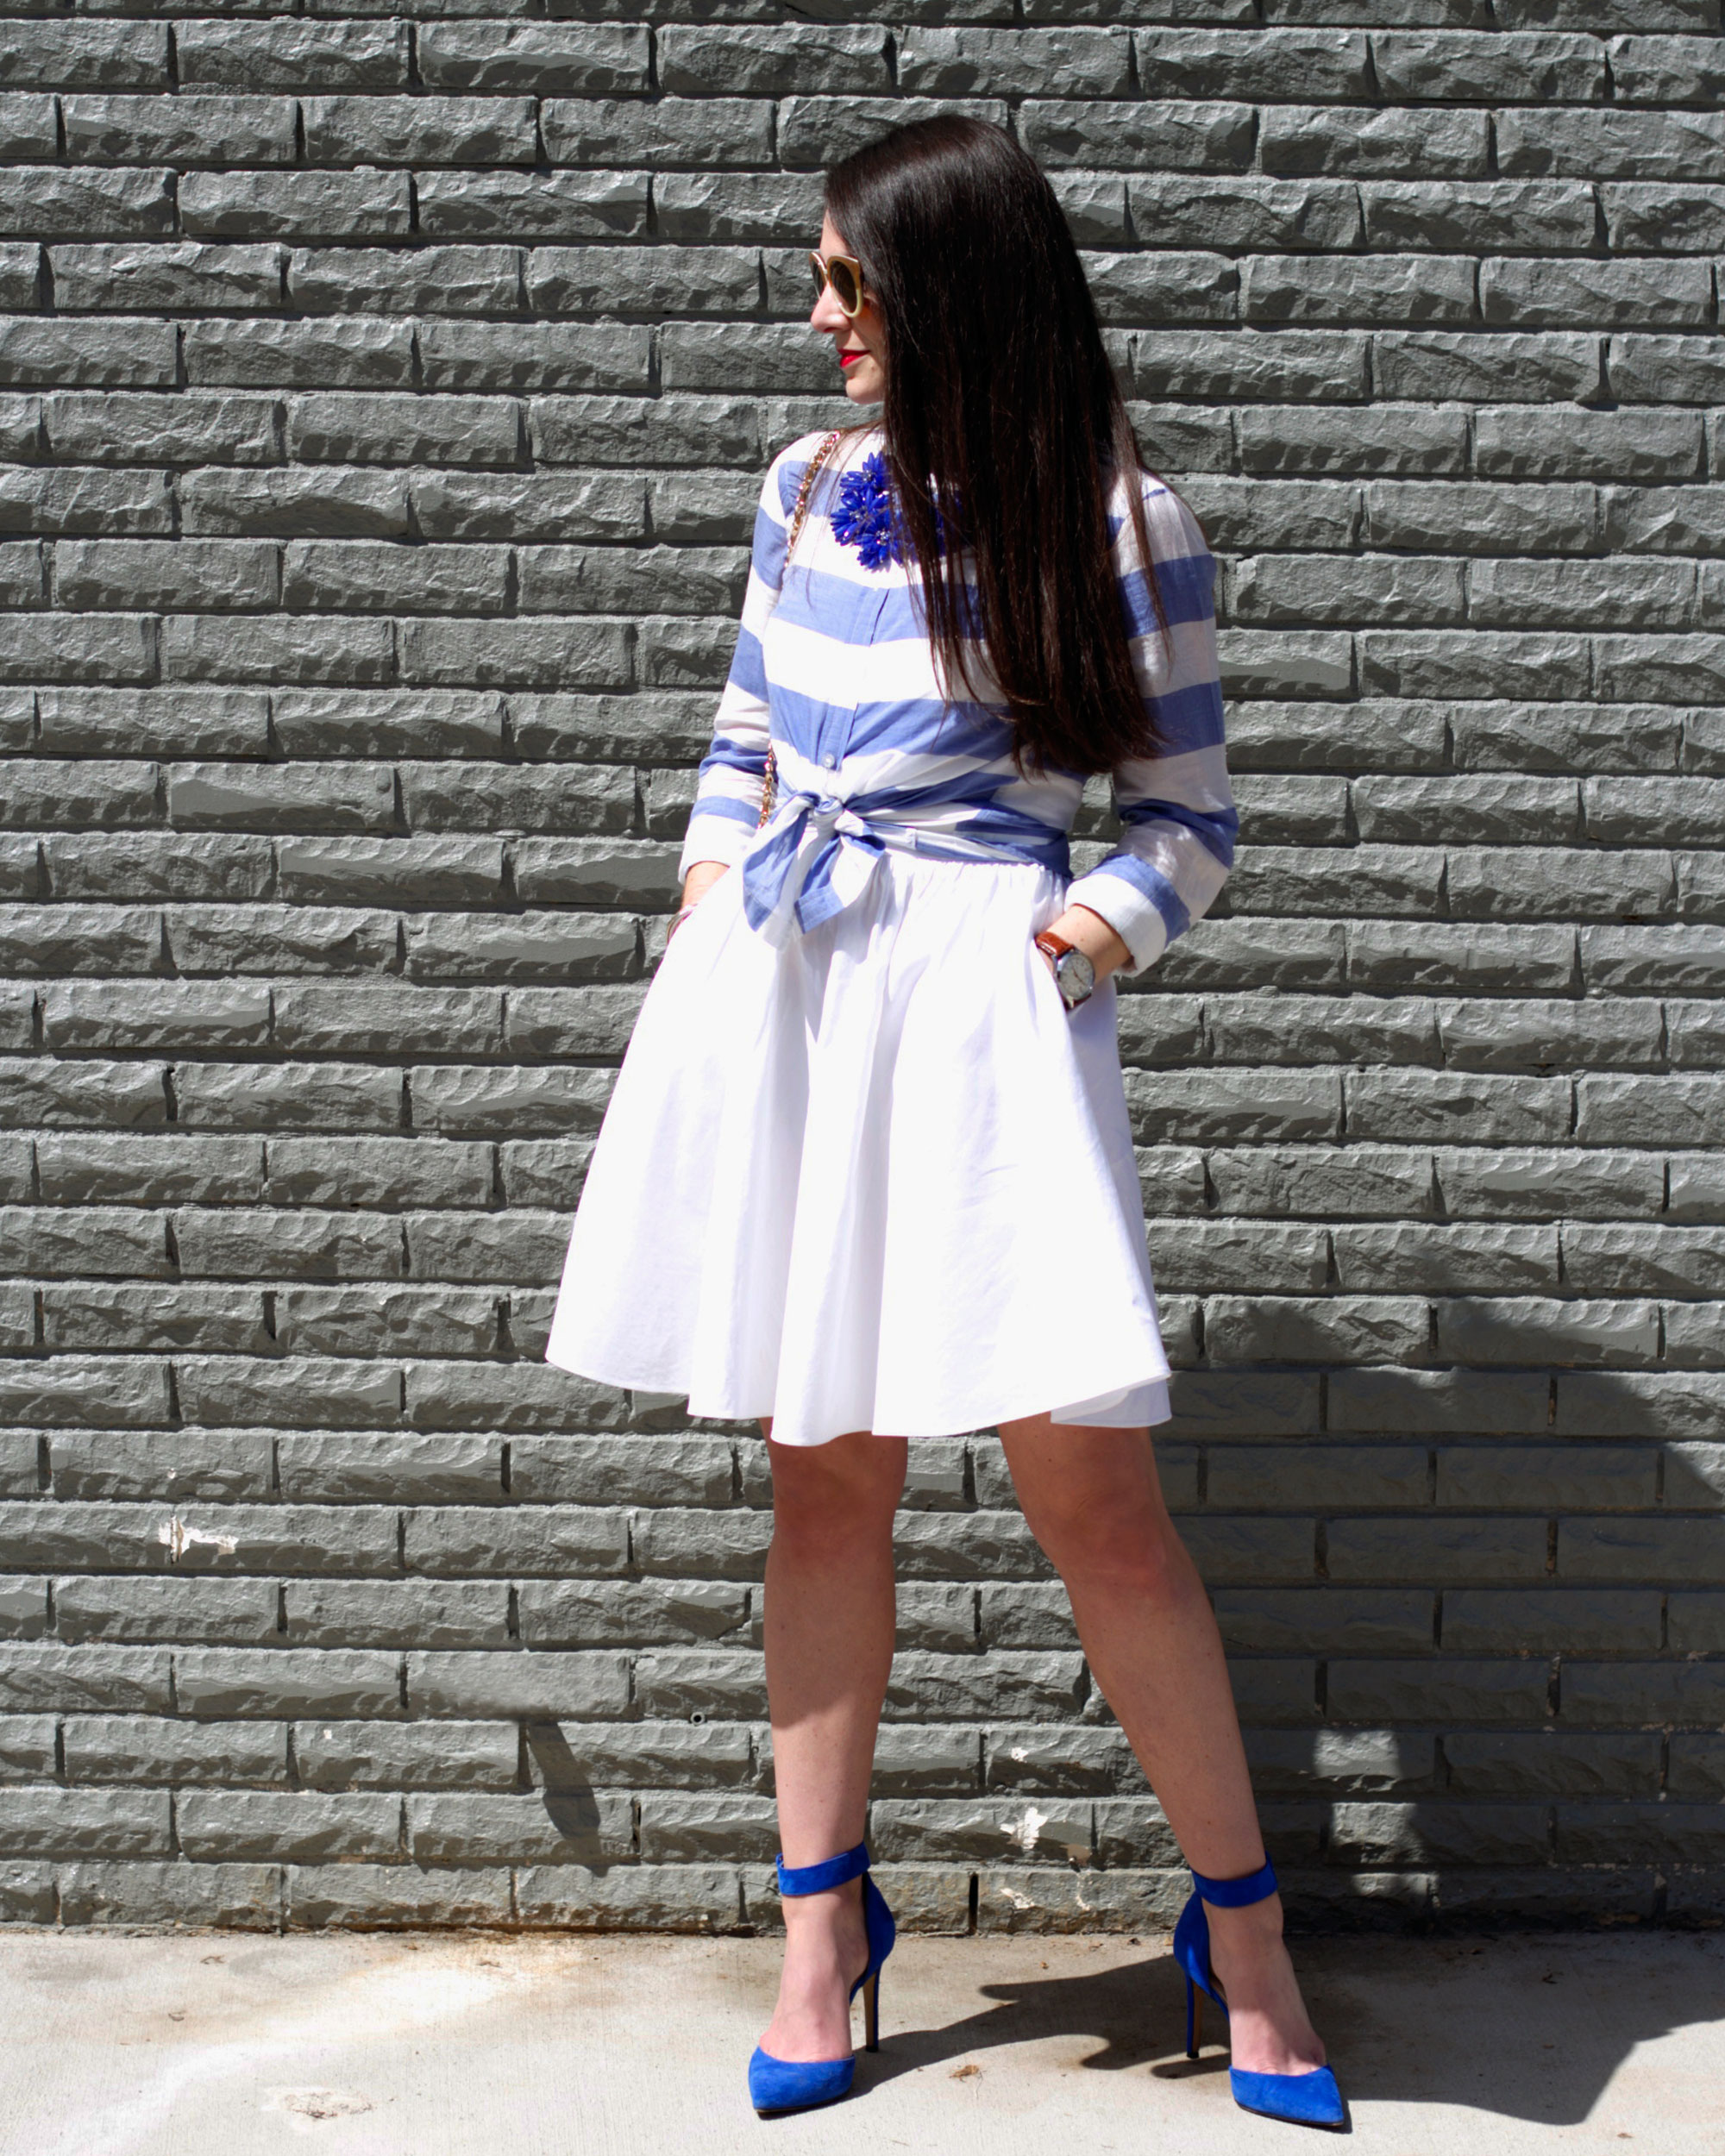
x=828, y=443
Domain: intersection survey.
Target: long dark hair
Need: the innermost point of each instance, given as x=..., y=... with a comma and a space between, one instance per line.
x=1001, y=405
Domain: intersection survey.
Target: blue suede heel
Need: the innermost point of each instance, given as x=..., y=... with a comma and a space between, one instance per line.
x=1308, y=2099
x=793, y=2084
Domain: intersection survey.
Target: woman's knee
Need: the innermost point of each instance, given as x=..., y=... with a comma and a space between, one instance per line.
x=845, y=1490
x=1125, y=1548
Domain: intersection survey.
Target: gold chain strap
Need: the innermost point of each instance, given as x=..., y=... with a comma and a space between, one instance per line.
x=770, y=785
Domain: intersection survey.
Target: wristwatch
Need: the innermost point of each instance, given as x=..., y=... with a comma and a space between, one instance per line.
x=1073, y=974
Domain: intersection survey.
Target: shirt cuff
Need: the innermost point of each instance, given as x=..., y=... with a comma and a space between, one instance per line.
x=1134, y=917
x=715, y=833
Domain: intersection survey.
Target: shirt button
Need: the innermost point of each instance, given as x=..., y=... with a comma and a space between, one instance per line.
x=829, y=760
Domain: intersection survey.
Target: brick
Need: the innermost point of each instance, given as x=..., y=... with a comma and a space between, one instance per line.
x=370, y=1897
x=547, y=1828
x=81, y=204
x=512, y=205
x=1551, y=1764
x=1618, y=144
x=143, y=1748
x=123, y=427
x=61, y=353
x=1639, y=1695
x=1505, y=881
x=702, y=61
x=1411, y=1106
x=1282, y=589
x=342, y=428
x=700, y=1898
x=102, y=1680
x=405, y=1756
x=302, y=205
x=84, y=1822
x=1570, y=735
x=188, y=130
x=695, y=1828
x=1183, y=287
x=419, y=130
x=1351, y=1329
x=1321, y=364
x=1673, y=295
x=1411, y=441
x=1627, y=444
x=1696, y=1765
x=1247, y=215
x=1693, y=1183
x=296, y=1825
x=542, y=1685
x=318, y=722
x=1666, y=1552
x=1340, y=1762
x=196, y=648
x=240, y=1897
x=1176, y=135
x=295, y=56
x=228, y=1682
x=1369, y=289
x=240, y=1611
x=1516, y=215
x=1392, y=142
x=185, y=276
x=1643, y=217
x=589, y=60
x=428, y=280
x=1647, y=1111
x=1645, y=1404
x=1056, y=63
x=113, y=722
x=1507, y=367
x=1510, y=810
x=1458, y=1834
x=27, y=126
x=705, y=132
x=42, y=794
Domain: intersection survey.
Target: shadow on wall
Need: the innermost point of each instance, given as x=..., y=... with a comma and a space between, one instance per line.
x=571, y=1803
x=1530, y=2029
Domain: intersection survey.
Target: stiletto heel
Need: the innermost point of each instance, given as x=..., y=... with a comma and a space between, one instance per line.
x=796, y=2084
x=1307, y=2099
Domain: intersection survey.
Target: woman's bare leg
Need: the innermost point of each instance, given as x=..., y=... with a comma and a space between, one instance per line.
x=1092, y=1501
x=829, y=1622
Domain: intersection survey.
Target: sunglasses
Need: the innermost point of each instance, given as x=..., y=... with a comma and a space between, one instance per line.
x=844, y=272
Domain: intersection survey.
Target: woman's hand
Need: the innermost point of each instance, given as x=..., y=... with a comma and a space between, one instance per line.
x=702, y=876
x=1090, y=933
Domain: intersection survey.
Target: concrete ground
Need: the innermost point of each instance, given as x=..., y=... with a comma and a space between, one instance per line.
x=430, y=2045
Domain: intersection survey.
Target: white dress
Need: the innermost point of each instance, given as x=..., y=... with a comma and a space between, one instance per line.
x=861, y=1169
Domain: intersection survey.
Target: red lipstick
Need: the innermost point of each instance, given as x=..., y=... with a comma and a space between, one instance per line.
x=850, y=359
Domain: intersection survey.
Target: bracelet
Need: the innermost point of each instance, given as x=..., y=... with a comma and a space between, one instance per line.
x=677, y=919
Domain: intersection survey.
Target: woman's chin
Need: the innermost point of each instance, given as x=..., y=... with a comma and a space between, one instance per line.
x=863, y=384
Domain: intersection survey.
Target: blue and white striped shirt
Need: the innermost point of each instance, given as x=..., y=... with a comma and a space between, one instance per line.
x=834, y=667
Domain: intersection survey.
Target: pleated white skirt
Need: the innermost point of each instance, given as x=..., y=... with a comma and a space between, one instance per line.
x=876, y=1180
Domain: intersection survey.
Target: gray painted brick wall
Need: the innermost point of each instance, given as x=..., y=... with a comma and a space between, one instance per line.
x=382, y=404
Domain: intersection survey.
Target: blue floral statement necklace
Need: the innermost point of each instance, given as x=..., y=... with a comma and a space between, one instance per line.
x=864, y=517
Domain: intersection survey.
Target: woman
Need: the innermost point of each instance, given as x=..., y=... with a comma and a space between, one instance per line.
x=867, y=1174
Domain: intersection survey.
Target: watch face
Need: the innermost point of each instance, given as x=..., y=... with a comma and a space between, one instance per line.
x=1074, y=976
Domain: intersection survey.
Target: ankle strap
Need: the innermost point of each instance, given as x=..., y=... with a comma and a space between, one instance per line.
x=1237, y=1894
x=816, y=1878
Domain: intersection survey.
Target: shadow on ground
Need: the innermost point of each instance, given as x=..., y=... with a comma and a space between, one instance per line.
x=1534, y=2029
